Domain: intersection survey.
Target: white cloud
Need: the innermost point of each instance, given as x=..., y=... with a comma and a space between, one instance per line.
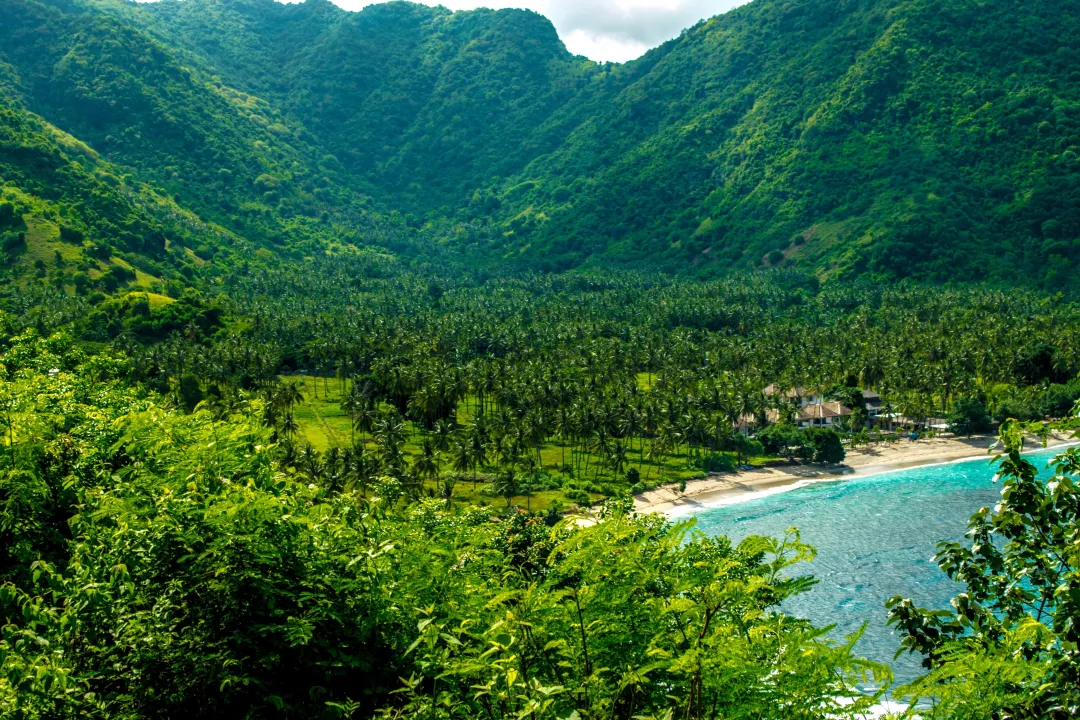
x=609, y=30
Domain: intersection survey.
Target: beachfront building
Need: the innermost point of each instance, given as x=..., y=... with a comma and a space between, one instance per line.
x=813, y=410
x=797, y=395
x=815, y=414
x=874, y=404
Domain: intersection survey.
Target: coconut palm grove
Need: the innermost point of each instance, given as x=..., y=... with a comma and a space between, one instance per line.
x=343, y=355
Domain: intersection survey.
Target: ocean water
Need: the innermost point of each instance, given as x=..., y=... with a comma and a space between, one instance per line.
x=874, y=537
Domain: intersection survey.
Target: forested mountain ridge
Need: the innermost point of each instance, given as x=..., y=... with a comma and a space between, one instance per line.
x=882, y=138
x=891, y=138
x=226, y=154
x=65, y=207
x=936, y=140
x=429, y=105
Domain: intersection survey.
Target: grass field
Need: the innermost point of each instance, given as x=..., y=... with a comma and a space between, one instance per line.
x=156, y=301
x=323, y=424
x=43, y=243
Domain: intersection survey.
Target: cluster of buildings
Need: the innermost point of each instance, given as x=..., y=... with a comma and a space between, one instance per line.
x=813, y=410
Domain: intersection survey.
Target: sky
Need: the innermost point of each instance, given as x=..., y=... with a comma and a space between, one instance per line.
x=602, y=30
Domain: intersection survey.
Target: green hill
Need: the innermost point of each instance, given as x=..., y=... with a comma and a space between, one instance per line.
x=936, y=140
x=881, y=138
x=66, y=212
x=427, y=105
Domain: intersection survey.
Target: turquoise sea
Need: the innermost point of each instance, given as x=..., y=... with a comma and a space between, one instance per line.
x=874, y=537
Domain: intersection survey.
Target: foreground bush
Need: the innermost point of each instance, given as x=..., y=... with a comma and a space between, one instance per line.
x=198, y=577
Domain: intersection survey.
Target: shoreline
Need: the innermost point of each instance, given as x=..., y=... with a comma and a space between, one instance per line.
x=734, y=488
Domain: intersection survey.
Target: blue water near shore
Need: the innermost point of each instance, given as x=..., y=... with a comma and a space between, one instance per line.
x=874, y=536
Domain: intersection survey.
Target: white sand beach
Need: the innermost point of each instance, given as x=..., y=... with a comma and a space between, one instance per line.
x=730, y=488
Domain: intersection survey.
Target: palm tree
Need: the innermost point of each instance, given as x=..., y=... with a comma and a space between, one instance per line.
x=507, y=485
x=364, y=421
x=496, y=447
x=669, y=438
x=563, y=430
x=270, y=416
x=352, y=405
x=336, y=468
x=721, y=430
x=289, y=395
x=364, y=467
x=390, y=432
x=617, y=458
x=442, y=433
x=289, y=426
x=657, y=448
x=461, y=458
x=629, y=424
x=478, y=452
x=309, y=461
x=426, y=464
x=447, y=488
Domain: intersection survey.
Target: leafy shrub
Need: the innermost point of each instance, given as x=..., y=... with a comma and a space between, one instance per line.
x=744, y=446
x=14, y=242
x=99, y=251
x=580, y=497
x=1057, y=400
x=717, y=462
x=189, y=392
x=781, y=439
x=71, y=235
x=541, y=481
x=822, y=445
x=1016, y=408
x=968, y=416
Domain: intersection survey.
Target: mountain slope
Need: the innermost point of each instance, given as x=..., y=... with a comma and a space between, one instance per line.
x=67, y=213
x=428, y=105
x=149, y=162
x=888, y=138
x=224, y=153
x=937, y=140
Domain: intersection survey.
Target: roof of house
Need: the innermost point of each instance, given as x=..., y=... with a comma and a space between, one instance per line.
x=823, y=410
x=797, y=392
x=814, y=411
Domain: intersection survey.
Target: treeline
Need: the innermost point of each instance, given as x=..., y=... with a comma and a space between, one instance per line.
x=579, y=386
x=614, y=368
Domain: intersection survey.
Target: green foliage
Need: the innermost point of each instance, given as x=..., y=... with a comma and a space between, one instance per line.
x=209, y=196
x=592, y=632
x=1007, y=648
x=718, y=462
x=201, y=577
x=690, y=164
x=968, y=416
x=822, y=445
x=71, y=235
x=808, y=137
x=133, y=314
x=1057, y=400
x=817, y=445
x=782, y=439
